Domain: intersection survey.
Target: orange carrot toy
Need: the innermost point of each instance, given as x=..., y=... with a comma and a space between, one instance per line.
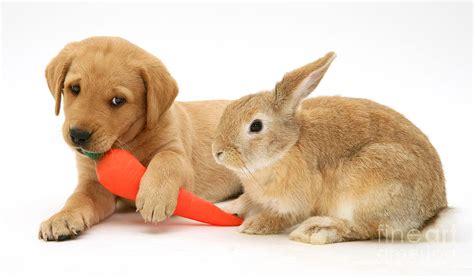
x=120, y=172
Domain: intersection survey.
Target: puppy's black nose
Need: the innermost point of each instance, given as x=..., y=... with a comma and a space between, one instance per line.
x=79, y=136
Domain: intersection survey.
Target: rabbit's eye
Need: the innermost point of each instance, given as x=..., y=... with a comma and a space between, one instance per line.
x=256, y=126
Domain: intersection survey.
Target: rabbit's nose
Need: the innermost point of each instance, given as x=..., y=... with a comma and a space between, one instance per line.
x=219, y=155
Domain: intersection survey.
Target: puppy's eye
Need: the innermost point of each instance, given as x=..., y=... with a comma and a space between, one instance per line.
x=118, y=101
x=256, y=126
x=75, y=89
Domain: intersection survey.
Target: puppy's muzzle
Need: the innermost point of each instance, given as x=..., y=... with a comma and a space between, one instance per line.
x=79, y=137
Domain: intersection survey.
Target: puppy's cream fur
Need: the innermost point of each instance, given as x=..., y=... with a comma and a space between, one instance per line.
x=342, y=168
x=172, y=138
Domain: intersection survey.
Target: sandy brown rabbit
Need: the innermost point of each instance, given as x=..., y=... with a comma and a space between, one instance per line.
x=342, y=168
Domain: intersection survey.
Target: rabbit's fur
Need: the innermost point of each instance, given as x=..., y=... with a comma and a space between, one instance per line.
x=342, y=168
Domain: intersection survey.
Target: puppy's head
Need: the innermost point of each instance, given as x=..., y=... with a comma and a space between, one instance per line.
x=111, y=90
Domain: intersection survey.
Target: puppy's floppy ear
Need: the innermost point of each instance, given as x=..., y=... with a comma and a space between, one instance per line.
x=299, y=83
x=161, y=90
x=56, y=73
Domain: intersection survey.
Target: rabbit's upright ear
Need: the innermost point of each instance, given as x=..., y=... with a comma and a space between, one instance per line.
x=299, y=83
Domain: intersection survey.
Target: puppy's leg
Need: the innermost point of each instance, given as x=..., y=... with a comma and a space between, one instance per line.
x=88, y=205
x=323, y=230
x=159, y=187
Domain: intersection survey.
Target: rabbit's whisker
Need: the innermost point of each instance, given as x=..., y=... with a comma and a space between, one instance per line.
x=248, y=173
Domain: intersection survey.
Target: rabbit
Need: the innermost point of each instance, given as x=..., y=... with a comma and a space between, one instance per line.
x=336, y=168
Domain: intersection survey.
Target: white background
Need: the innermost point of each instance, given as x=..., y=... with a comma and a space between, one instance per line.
x=415, y=58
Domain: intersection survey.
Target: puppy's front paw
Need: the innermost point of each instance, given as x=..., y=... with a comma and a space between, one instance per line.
x=64, y=225
x=261, y=225
x=156, y=202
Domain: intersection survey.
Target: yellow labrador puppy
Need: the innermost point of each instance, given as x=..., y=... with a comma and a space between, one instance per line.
x=117, y=95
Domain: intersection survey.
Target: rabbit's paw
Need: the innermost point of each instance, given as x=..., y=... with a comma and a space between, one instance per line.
x=261, y=224
x=320, y=230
